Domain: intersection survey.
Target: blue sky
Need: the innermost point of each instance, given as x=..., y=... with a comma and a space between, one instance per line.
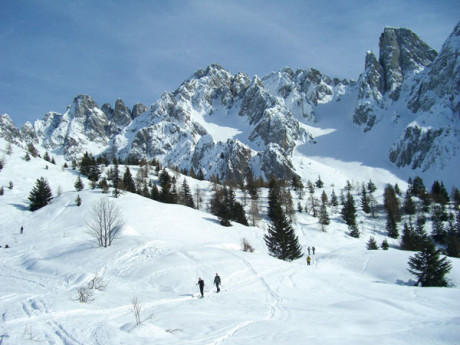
x=53, y=50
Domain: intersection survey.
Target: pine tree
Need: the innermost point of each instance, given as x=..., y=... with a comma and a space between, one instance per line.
x=281, y=240
x=439, y=193
x=385, y=244
x=128, y=182
x=186, y=197
x=392, y=227
x=365, y=201
x=324, y=216
x=409, y=205
x=78, y=200
x=429, y=267
x=349, y=211
x=372, y=244
x=79, y=184
x=166, y=184
x=40, y=195
x=334, y=199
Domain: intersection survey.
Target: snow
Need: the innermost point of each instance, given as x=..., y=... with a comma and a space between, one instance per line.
x=349, y=295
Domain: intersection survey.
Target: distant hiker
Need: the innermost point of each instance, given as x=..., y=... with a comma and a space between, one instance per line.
x=22, y=230
x=308, y=260
x=217, y=282
x=308, y=250
x=201, y=284
x=313, y=248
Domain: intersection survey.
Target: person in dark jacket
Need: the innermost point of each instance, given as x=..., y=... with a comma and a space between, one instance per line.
x=217, y=282
x=201, y=284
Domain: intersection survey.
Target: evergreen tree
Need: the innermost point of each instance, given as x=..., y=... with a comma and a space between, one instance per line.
x=409, y=205
x=349, y=211
x=371, y=188
x=128, y=182
x=365, y=201
x=354, y=231
x=186, y=197
x=155, y=193
x=439, y=193
x=46, y=156
x=251, y=186
x=89, y=167
x=78, y=200
x=319, y=183
x=79, y=184
x=455, y=195
x=334, y=199
x=429, y=267
x=385, y=244
x=40, y=195
x=281, y=240
x=438, y=216
x=166, y=184
x=323, y=216
x=392, y=227
x=372, y=244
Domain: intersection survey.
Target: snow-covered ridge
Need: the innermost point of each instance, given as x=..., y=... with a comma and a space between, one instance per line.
x=225, y=124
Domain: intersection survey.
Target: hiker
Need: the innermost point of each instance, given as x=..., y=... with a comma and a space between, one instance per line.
x=313, y=248
x=308, y=250
x=22, y=229
x=308, y=260
x=201, y=284
x=217, y=282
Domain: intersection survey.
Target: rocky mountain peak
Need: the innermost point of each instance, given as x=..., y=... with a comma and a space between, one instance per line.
x=401, y=53
x=82, y=105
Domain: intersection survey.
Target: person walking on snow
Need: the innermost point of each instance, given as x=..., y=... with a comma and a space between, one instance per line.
x=308, y=260
x=217, y=282
x=313, y=248
x=201, y=284
x=308, y=250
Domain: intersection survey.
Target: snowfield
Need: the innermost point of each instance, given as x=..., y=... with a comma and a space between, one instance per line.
x=349, y=295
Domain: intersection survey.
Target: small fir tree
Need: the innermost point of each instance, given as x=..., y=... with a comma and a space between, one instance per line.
x=372, y=244
x=40, y=195
x=78, y=200
x=79, y=186
x=428, y=266
x=385, y=244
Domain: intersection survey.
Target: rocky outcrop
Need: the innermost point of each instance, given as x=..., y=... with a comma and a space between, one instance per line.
x=442, y=81
x=401, y=54
x=371, y=87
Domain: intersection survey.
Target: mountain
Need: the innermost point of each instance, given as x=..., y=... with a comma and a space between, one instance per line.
x=401, y=115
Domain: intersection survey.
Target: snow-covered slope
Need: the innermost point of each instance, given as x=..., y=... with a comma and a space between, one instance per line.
x=349, y=295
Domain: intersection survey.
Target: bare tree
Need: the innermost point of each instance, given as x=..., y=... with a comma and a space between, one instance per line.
x=105, y=222
x=136, y=310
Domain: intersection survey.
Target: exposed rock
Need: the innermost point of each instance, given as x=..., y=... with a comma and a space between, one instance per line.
x=138, y=109
x=401, y=53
